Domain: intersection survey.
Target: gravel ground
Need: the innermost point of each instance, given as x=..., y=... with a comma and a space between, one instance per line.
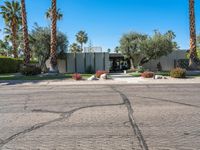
x=99, y=117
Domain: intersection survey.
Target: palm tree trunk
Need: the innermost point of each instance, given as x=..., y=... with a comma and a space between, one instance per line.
x=14, y=44
x=193, y=63
x=82, y=47
x=25, y=34
x=53, y=55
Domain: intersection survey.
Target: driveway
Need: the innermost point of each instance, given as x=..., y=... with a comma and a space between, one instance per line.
x=100, y=117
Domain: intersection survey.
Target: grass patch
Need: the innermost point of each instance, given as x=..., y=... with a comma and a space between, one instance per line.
x=136, y=74
x=163, y=73
x=195, y=75
x=29, y=78
x=85, y=76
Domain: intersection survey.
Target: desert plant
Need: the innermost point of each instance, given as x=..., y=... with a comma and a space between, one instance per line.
x=76, y=76
x=147, y=74
x=100, y=72
x=178, y=73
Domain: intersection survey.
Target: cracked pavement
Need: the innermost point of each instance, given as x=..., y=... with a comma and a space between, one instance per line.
x=100, y=117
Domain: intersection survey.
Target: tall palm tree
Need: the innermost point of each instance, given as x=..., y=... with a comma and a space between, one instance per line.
x=75, y=48
x=8, y=36
x=59, y=14
x=53, y=55
x=25, y=33
x=12, y=18
x=194, y=62
x=82, y=38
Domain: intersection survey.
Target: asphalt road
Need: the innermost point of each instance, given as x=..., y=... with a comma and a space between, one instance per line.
x=100, y=117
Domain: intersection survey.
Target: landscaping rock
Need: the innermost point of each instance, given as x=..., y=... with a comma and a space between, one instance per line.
x=157, y=77
x=104, y=77
x=92, y=78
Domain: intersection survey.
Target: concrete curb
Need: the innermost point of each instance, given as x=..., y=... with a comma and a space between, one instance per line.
x=108, y=82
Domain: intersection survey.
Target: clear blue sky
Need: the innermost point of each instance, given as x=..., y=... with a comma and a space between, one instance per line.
x=106, y=20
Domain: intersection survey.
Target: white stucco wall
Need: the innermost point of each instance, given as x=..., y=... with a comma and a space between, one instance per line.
x=167, y=62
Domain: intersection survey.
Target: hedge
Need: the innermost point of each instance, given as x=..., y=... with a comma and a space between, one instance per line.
x=10, y=65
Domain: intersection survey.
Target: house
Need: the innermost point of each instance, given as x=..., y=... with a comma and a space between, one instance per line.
x=90, y=62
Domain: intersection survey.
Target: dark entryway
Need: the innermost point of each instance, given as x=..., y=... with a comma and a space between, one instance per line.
x=118, y=63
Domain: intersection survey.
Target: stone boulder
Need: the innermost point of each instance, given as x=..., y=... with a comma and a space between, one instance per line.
x=104, y=77
x=92, y=78
x=157, y=77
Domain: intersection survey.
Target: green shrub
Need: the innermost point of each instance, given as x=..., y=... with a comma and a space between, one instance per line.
x=140, y=69
x=178, y=73
x=163, y=73
x=9, y=65
x=135, y=74
x=131, y=70
x=30, y=70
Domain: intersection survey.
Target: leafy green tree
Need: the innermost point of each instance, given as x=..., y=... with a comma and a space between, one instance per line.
x=130, y=46
x=40, y=44
x=82, y=38
x=11, y=12
x=157, y=46
x=140, y=48
x=5, y=48
x=75, y=48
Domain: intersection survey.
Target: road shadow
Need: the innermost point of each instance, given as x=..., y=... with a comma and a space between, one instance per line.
x=31, y=82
